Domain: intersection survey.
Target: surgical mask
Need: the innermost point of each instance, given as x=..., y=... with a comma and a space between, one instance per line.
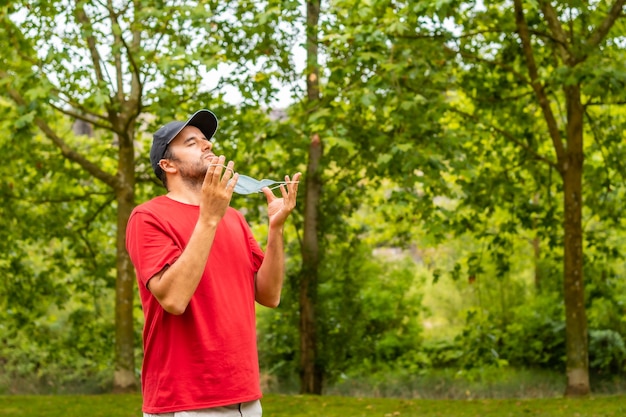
x=248, y=185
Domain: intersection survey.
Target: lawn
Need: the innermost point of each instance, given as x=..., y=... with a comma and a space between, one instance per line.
x=313, y=406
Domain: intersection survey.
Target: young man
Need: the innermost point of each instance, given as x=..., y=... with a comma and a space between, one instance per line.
x=199, y=271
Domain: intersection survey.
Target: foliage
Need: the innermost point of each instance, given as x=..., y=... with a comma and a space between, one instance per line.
x=119, y=69
x=535, y=336
x=370, y=317
x=480, y=340
x=607, y=351
x=56, y=304
x=433, y=140
x=528, y=88
x=605, y=291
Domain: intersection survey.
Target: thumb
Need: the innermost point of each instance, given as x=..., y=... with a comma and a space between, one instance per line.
x=268, y=194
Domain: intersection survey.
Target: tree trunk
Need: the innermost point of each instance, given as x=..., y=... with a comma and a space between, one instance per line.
x=311, y=371
x=124, y=379
x=574, y=291
x=536, y=244
x=570, y=165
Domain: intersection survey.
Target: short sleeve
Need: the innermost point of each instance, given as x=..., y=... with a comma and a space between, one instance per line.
x=257, y=252
x=149, y=246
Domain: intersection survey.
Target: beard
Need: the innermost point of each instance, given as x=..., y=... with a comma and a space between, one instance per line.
x=193, y=173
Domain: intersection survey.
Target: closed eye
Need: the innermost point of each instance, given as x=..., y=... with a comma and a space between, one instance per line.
x=193, y=140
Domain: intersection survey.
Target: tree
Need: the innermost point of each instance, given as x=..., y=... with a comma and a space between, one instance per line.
x=360, y=115
x=543, y=64
x=310, y=369
x=106, y=103
x=121, y=68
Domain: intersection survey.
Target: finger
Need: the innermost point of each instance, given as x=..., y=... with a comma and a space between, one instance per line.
x=296, y=179
x=213, y=162
x=229, y=172
x=269, y=195
x=232, y=182
x=283, y=190
x=293, y=183
x=219, y=167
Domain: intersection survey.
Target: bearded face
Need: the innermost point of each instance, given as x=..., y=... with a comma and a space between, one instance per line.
x=190, y=153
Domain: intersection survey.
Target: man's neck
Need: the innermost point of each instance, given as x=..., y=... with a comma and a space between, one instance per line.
x=185, y=192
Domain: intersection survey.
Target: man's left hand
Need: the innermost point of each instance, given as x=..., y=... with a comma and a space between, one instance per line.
x=279, y=208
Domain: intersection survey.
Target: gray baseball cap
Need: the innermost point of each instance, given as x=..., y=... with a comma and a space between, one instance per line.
x=202, y=119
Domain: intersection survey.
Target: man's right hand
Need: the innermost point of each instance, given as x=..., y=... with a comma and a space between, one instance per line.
x=217, y=190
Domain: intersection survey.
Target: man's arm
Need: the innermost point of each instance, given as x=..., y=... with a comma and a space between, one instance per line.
x=270, y=276
x=174, y=286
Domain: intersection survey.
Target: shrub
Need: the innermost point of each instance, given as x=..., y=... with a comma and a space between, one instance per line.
x=536, y=335
x=606, y=351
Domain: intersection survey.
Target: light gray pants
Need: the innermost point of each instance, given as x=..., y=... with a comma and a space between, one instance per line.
x=249, y=409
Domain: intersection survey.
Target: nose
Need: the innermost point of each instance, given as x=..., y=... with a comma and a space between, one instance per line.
x=207, y=145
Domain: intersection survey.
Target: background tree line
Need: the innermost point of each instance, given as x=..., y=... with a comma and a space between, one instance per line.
x=486, y=140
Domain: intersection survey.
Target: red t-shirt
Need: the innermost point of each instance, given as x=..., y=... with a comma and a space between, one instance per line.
x=206, y=357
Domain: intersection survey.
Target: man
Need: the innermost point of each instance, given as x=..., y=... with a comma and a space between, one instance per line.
x=199, y=272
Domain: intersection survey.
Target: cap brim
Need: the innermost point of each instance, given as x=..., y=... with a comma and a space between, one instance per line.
x=205, y=121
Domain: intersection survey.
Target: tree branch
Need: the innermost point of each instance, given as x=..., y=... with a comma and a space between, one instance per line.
x=83, y=20
x=547, y=36
x=66, y=150
x=602, y=103
x=134, y=103
x=555, y=27
x=115, y=51
x=62, y=96
x=440, y=36
x=542, y=97
x=99, y=210
x=505, y=98
x=603, y=29
x=80, y=116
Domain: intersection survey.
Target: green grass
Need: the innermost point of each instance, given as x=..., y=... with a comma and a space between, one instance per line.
x=327, y=406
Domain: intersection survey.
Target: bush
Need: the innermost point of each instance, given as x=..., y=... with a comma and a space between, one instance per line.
x=536, y=336
x=368, y=318
x=606, y=351
x=59, y=352
x=480, y=341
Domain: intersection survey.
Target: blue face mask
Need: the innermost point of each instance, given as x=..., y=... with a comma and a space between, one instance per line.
x=248, y=185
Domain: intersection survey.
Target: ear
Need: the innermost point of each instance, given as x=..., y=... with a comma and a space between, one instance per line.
x=167, y=166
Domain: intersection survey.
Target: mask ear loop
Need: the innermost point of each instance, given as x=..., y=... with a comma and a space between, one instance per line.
x=277, y=185
x=220, y=165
